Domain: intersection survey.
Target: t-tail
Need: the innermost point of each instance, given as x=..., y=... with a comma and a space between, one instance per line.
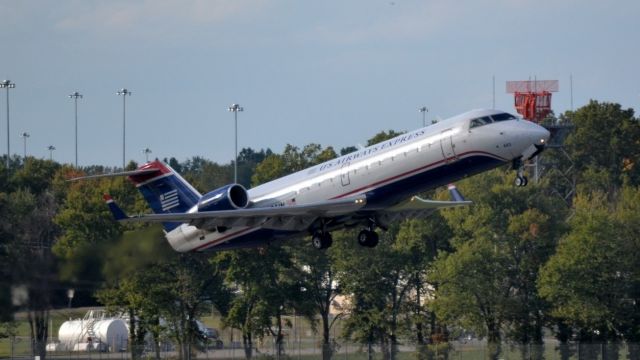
x=164, y=190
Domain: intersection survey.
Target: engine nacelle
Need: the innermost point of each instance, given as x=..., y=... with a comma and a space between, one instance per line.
x=229, y=197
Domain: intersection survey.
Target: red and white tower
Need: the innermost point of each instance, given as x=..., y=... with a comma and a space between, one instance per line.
x=532, y=98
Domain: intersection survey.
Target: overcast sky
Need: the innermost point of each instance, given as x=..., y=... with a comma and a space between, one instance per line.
x=329, y=72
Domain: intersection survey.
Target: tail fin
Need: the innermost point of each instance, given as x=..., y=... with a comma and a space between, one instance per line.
x=165, y=190
x=455, y=194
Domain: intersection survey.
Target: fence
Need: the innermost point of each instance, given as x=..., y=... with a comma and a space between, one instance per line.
x=309, y=348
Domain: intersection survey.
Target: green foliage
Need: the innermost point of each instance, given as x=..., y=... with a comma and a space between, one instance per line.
x=593, y=279
x=606, y=138
x=488, y=284
x=382, y=136
x=496, y=267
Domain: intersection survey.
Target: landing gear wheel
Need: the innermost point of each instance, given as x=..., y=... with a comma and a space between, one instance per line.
x=368, y=238
x=321, y=240
x=521, y=180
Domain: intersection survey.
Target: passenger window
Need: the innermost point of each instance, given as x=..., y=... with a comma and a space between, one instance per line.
x=503, y=117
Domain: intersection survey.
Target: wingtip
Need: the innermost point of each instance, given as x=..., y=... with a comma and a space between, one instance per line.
x=107, y=197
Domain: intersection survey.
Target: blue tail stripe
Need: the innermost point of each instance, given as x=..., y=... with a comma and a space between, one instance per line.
x=169, y=194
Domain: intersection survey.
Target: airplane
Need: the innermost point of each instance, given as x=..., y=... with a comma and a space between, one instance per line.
x=370, y=187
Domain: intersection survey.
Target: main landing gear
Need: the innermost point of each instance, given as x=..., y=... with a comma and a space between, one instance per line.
x=321, y=240
x=521, y=179
x=368, y=238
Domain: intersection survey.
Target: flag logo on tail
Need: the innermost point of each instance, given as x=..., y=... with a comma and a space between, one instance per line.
x=169, y=200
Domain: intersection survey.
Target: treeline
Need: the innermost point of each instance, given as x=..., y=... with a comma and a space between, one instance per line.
x=517, y=265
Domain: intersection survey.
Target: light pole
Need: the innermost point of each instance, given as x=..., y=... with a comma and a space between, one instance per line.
x=146, y=153
x=75, y=97
x=235, y=108
x=7, y=84
x=51, y=148
x=124, y=93
x=25, y=135
x=424, y=112
x=70, y=294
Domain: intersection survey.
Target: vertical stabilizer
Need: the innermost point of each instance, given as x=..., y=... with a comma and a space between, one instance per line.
x=165, y=190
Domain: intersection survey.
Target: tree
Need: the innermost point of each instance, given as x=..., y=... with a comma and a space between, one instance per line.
x=593, y=280
x=488, y=283
x=132, y=266
x=606, y=140
x=386, y=283
x=267, y=285
x=319, y=280
x=421, y=239
x=382, y=136
x=27, y=234
x=185, y=289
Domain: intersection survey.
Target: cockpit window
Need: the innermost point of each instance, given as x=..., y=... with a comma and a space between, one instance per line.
x=503, y=117
x=480, y=121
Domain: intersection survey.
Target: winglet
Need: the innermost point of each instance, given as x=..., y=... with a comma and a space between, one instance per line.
x=117, y=212
x=455, y=194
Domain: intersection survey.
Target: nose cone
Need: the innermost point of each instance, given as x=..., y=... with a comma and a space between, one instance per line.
x=540, y=135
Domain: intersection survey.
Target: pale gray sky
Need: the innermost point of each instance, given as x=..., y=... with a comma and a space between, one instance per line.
x=330, y=72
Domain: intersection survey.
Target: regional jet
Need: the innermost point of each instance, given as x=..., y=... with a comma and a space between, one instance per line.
x=369, y=188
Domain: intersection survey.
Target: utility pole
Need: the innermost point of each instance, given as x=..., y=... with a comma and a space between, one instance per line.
x=75, y=97
x=7, y=84
x=25, y=135
x=124, y=93
x=424, y=112
x=146, y=153
x=51, y=148
x=235, y=108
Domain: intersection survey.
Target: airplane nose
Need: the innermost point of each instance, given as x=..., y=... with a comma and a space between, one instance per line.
x=541, y=136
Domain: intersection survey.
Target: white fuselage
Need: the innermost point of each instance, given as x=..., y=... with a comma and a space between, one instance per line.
x=379, y=166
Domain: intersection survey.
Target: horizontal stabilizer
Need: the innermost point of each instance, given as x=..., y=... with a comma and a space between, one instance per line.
x=117, y=212
x=123, y=173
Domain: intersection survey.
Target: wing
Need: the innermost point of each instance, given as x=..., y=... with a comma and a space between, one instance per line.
x=419, y=207
x=295, y=217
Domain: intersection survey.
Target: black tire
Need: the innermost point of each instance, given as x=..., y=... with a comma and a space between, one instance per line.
x=525, y=181
x=363, y=237
x=368, y=238
x=519, y=181
x=373, y=239
x=321, y=241
x=316, y=241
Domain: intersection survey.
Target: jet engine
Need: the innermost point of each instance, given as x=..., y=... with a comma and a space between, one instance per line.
x=228, y=197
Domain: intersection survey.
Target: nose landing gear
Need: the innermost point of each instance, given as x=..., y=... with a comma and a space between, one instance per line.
x=521, y=179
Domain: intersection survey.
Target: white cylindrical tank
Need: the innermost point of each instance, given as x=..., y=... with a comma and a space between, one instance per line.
x=112, y=332
x=70, y=333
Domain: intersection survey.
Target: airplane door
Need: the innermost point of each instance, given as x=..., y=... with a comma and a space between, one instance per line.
x=344, y=176
x=447, y=146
